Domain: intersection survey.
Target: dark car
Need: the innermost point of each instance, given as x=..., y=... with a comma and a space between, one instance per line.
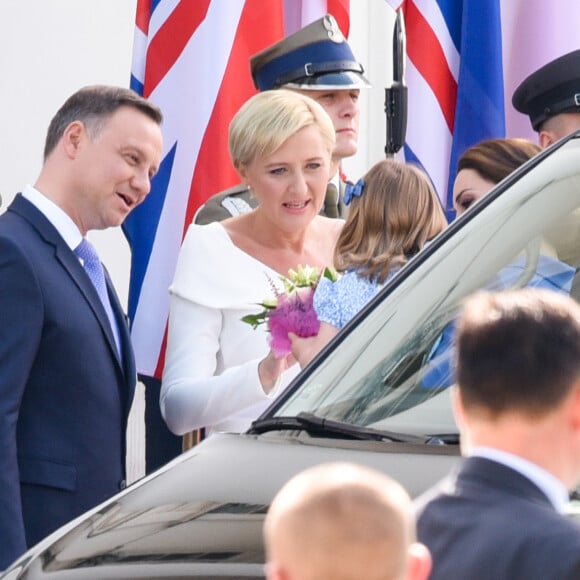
x=378, y=394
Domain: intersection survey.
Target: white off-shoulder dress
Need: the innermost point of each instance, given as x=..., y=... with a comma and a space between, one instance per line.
x=210, y=377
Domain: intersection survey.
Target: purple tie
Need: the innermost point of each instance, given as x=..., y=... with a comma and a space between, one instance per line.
x=93, y=267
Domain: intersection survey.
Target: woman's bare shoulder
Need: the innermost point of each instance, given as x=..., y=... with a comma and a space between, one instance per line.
x=329, y=227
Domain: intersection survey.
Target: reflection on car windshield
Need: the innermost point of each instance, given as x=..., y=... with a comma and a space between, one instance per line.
x=394, y=370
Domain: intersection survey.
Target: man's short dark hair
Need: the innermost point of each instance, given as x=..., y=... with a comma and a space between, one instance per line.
x=93, y=105
x=518, y=350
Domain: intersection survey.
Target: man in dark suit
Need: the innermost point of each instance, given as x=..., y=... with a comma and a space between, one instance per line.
x=517, y=404
x=318, y=62
x=67, y=372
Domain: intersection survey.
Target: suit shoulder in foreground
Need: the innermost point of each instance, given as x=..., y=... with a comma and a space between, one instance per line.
x=488, y=521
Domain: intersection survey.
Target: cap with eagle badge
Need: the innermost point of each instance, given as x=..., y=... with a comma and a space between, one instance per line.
x=552, y=89
x=316, y=57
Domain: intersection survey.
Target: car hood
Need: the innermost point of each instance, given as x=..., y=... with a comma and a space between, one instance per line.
x=203, y=512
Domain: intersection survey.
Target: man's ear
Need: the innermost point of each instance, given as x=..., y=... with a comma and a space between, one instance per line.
x=546, y=138
x=72, y=138
x=457, y=406
x=420, y=562
x=460, y=418
x=575, y=408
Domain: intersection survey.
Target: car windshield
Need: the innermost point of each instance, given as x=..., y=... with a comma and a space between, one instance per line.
x=391, y=367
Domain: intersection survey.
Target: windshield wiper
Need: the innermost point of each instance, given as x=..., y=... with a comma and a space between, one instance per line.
x=320, y=427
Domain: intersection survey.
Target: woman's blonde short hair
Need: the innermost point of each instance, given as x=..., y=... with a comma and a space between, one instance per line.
x=268, y=119
x=390, y=222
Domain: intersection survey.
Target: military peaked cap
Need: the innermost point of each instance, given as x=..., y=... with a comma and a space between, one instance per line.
x=316, y=57
x=552, y=89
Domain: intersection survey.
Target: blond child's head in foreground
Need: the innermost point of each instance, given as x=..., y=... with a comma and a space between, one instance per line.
x=341, y=521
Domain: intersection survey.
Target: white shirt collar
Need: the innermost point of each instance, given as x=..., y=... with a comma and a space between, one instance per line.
x=55, y=215
x=550, y=485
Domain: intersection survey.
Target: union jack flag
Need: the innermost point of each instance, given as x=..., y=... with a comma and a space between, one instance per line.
x=464, y=60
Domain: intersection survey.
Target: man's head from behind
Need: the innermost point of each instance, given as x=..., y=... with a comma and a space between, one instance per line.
x=344, y=522
x=518, y=375
x=518, y=349
x=317, y=61
x=550, y=97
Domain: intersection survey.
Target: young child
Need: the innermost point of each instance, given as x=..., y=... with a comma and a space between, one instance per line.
x=343, y=521
x=394, y=211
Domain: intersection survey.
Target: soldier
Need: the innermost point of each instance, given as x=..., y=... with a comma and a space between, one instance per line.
x=550, y=97
x=318, y=62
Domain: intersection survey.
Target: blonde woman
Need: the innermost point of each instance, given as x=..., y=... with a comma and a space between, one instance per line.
x=394, y=212
x=219, y=372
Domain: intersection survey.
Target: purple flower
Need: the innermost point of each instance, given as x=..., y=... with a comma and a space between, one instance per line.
x=293, y=313
x=292, y=309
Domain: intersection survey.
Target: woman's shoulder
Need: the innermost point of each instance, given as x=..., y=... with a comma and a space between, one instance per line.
x=213, y=271
x=204, y=251
x=206, y=234
x=327, y=229
x=329, y=224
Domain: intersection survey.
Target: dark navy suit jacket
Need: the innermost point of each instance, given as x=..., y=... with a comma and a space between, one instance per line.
x=489, y=522
x=64, y=393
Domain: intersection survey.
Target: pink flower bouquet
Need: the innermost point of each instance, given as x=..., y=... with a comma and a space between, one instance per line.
x=292, y=309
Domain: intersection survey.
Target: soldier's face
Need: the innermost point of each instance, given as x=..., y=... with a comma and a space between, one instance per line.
x=344, y=110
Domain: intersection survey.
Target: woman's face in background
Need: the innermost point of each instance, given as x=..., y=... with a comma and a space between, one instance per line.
x=469, y=186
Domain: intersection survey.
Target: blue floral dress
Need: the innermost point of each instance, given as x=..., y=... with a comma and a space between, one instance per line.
x=337, y=302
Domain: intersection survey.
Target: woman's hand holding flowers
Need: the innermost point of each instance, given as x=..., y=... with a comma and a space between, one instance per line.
x=271, y=367
x=291, y=310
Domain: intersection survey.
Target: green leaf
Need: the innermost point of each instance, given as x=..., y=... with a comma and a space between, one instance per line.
x=256, y=319
x=302, y=277
x=330, y=273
